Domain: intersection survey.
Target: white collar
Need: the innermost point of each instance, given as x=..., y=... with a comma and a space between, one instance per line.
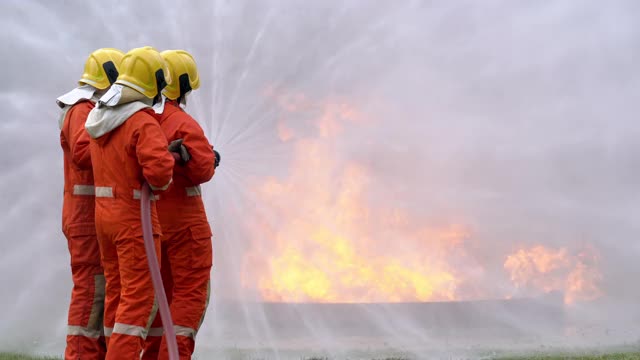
x=84, y=92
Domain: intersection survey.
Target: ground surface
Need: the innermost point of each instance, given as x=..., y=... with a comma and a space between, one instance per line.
x=12, y=356
x=608, y=356
x=618, y=356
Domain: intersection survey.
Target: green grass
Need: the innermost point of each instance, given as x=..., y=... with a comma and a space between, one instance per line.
x=14, y=356
x=612, y=356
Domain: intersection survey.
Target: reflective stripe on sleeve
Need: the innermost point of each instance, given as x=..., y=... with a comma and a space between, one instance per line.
x=104, y=191
x=185, y=331
x=84, y=190
x=193, y=191
x=108, y=331
x=75, y=330
x=131, y=330
x=162, y=188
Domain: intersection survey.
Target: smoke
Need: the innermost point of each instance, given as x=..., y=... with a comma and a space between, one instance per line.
x=512, y=120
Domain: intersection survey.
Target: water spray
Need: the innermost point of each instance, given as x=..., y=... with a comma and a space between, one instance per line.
x=154, y=269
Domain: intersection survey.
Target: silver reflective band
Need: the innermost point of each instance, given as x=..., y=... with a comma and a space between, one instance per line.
x=155, y=331
x=131, y=330
x=90, y=82
x=107, y=191
x=83, y=331
x=96, y=315
x=131, y=85
x=185, y=331
x=84, y=190
x=108, y=331
x=104, y=191
x=162, y=188
x=193, y=191
x=137, y=195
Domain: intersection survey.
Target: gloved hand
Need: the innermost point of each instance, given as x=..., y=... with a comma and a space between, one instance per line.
x=215, y=165
x=176, y=147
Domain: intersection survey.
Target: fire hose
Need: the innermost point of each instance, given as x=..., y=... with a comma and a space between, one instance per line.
x=154, y=269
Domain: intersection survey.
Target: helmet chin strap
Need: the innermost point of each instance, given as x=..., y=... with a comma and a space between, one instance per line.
x=185, y=88
x=182, y=100
x=161, y=83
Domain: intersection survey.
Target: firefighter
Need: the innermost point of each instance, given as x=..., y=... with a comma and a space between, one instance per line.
x=85, y=337
x=128, y=149
x=186, y=240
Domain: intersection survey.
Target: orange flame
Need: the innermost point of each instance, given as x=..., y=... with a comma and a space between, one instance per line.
x=544, y=269
x=328, y=249
x=334, y=247
x=324, y=241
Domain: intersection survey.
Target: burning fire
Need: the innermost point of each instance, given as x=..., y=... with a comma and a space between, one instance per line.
x=334, y=248
x=324, y=240
x=544, y=269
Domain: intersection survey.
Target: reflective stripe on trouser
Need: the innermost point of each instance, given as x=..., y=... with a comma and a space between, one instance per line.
x=131, y=330
x=85, y=339
x=130, y=300
x=75, y=330
x=179, y=330
x=185, y=338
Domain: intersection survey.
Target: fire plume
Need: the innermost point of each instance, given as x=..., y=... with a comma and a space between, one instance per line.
x=540, y=268
x=331, y=245
x=333, y=248
x=324, y=236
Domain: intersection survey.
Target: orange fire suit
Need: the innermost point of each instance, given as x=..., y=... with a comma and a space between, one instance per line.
x=85, y=337
x=123, y=159
x=186, y=240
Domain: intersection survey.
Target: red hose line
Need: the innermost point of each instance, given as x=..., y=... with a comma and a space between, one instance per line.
x=154, y=269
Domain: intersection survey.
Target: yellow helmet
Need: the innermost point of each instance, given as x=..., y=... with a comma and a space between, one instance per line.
x=101, y=68
x=144, y=70
x=184, y=73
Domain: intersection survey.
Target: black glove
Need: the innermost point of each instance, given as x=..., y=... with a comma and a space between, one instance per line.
x=215, y=165
x=176, y=147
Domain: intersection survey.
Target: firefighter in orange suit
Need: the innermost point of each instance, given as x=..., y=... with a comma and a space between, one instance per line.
x=128, y=148
x=85, y=337
x=186, y=240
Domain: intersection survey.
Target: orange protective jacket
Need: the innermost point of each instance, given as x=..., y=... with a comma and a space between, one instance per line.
x=137, y=154
x=78, y=205
x=181, y=206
